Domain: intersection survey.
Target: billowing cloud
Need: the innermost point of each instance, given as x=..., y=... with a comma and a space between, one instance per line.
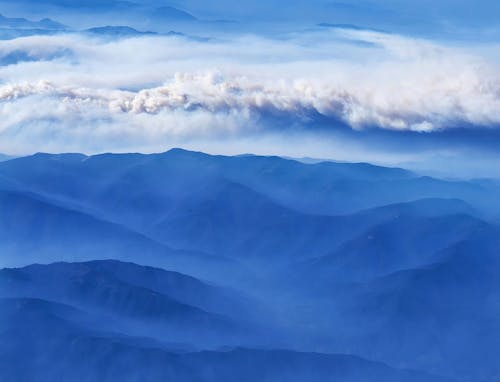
x=140, y=92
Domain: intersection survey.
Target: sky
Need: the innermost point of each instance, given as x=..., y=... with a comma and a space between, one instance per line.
x=400, y=83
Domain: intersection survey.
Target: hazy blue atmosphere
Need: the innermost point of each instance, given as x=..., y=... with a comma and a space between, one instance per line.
x=209, y=191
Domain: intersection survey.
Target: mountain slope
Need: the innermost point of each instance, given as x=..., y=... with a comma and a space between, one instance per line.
x=411, y=283
x=34, y=229
x=52, y=347
x=208, y=204
x=404, y=242
x=63, y=282
x=22, y=23
x=134, y=299
x=233, y=206
x=31, y=223
x=117, y=31
x=324, y=188
x=433, y=317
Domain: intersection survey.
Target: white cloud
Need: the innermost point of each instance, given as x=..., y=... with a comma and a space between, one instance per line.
x=140, y=93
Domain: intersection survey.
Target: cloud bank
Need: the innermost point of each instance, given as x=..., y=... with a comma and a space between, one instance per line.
x=94, y=94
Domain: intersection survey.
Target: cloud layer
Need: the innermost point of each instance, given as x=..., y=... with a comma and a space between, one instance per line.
x=95, y=94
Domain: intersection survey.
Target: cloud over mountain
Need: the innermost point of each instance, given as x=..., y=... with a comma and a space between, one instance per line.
x=75, y=87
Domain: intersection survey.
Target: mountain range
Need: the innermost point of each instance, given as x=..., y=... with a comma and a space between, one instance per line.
x=203, y=267
x=22, y=23
x=37, y=333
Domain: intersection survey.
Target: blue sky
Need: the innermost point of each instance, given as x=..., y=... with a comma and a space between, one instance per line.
x=392, y=82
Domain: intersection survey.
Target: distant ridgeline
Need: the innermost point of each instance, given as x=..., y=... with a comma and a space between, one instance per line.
x=184, y=266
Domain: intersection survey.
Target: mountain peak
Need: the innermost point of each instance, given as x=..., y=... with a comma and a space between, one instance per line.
x=23, y=23
x=117, y=30
x=172, y=13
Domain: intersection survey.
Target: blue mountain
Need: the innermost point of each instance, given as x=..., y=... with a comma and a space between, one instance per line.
x=14, y=27
x=44, y=343
x=31, y=226
x=437, y=313
x=35, y=229
x=425, y=17
x=166, y=13
x=136, y=300
x=403, y=242
x=322, y=188
x=154, y=14
x=41, y=280
x=446, y=305
x=239, y=207
x=22, y=23
x=117, y=31
x=335, y=258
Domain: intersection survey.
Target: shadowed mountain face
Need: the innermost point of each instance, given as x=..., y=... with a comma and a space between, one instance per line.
x=434, y=314
x=34, y=229
x=79, y=278
x=139, y=300
x=13, y=27
x=241, y=207
x=152, y=183
x=117, y=31
x=394, y=245
x=9, y=22
x=31, y=227
x=418, y=18
x=157, y=16
x=263, y=253
x=52, y=346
